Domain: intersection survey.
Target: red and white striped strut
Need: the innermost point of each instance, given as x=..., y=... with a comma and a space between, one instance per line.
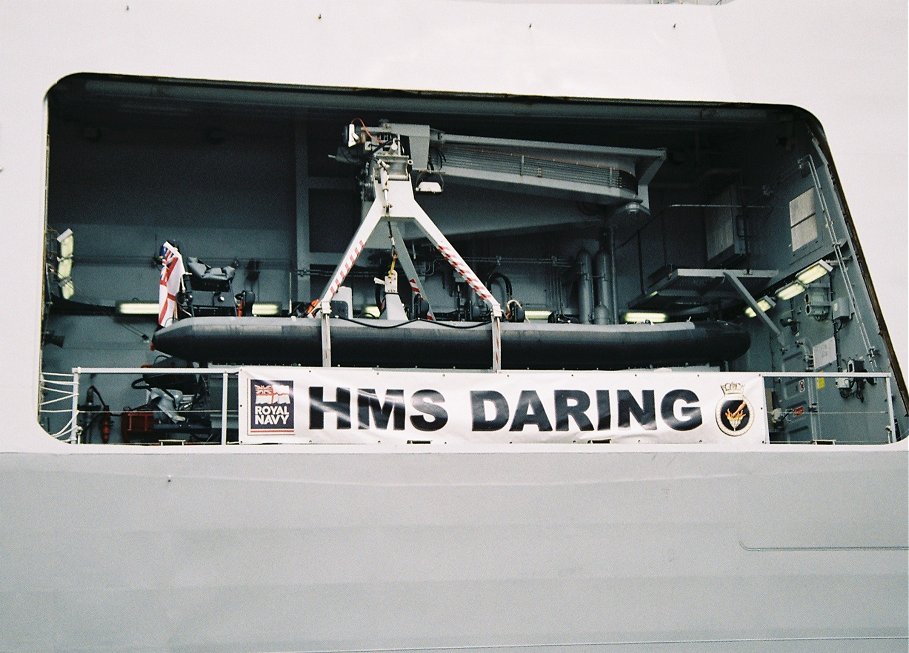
x=346, y=266
x=461, y=267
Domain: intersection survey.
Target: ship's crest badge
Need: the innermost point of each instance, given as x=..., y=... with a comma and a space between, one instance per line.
x=734, y=415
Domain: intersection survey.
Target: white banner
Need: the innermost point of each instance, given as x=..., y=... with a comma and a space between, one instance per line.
x=345, y=405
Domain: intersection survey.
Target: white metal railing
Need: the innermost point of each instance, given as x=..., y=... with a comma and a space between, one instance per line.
x=72, y=425
x=58, y=389
x=886, y=376
x=61, y=388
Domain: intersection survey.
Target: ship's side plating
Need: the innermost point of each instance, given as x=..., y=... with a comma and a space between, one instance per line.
x=411, y=550
x=399, y=547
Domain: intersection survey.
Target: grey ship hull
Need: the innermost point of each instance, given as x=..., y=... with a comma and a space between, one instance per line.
x=543, y=548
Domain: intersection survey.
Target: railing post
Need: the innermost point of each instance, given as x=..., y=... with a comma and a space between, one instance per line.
x=891, y=424
x=74, y=429
x=224, y=385
x=496, y=344
x=326, y=341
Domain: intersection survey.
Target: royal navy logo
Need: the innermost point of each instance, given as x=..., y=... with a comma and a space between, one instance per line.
x=733, y=412
x=272, y=409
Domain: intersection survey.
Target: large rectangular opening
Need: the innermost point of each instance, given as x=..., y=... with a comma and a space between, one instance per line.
x=581, y=213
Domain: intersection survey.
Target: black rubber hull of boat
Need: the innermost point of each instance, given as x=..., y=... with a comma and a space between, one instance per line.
x=291, y=341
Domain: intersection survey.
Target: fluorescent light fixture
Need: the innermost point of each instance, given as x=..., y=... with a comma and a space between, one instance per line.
x=137, y=308
x=64, y=268
x=814, y=272
x=65, y=259
x=764, y=303
x=67, y=289
x=639, y=317
x=433, y=187
x=790, y=290
x=151, y=308
x=67, y=243
x=538, y=315
x=266, y=309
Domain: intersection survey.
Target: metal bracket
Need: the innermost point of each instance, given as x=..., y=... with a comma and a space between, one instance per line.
x=326, y=341
x=752, y=302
